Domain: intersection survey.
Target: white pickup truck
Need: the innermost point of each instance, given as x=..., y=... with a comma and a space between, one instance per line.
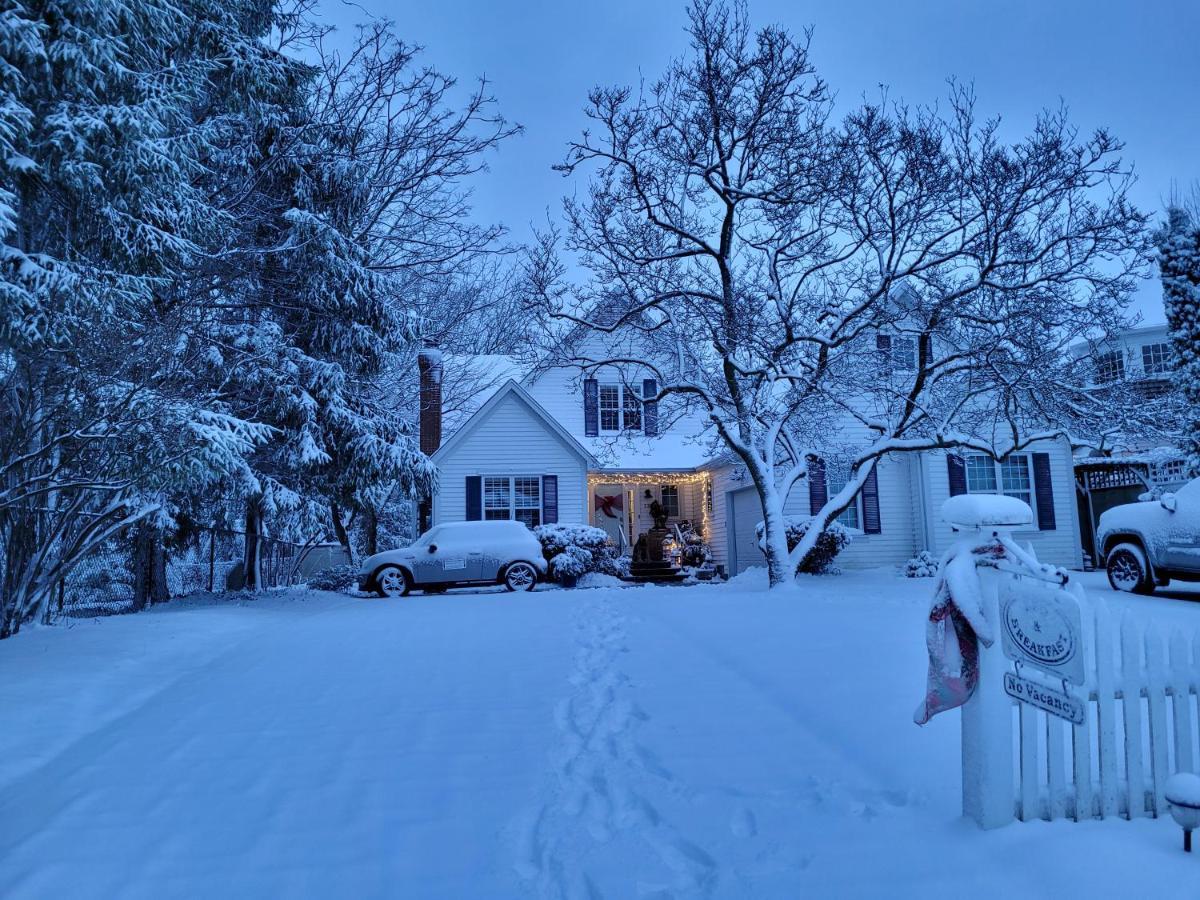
x=1147, y=544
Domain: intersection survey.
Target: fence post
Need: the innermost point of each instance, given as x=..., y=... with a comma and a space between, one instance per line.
x=987, y=756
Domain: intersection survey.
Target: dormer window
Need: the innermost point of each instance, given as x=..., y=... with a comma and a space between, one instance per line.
x=615, y=407
x=620, y=408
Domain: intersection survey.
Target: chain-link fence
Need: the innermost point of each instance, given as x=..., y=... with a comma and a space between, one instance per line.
x=102, y=583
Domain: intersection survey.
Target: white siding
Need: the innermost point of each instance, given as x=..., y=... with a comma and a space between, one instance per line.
x=895, y=542
x=1059, y=547
x=511, y=440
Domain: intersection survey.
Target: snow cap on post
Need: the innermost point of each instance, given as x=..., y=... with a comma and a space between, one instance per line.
x=429, y=363
x=978, y=512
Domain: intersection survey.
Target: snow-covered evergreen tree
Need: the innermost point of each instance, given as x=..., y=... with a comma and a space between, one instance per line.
x=1179, y=264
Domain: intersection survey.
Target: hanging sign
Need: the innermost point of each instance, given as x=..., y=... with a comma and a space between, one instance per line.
x=1040, y=627
x=1065, y=706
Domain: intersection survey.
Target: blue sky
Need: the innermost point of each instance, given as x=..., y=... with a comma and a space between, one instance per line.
x=1133, y=67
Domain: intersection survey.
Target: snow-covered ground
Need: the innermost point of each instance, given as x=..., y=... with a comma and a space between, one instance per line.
x=707, y=741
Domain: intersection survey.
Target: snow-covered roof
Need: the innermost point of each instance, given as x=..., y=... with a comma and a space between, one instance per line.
x=1157, y=456
x=670, y=452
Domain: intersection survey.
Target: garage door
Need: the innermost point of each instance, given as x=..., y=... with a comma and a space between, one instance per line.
x=747, y=512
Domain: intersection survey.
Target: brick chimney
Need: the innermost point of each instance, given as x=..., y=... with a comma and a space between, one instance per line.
x=429, y=363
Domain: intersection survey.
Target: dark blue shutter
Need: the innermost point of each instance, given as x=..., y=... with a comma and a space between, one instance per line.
x=474, y=498
x=549, y=499
x=591, y=407
x=818, y=492
x=956, y=469
x=870, y=497
x=649, y=407
x=1043, y=491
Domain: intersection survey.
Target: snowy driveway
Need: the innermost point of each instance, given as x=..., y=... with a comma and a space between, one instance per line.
x=647, y=742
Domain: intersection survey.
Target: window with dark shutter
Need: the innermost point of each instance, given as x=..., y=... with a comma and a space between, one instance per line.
x=549, y=499
x=649, y=406
x=871, y=523
x=1043, y=490
x=956, y=471
x=474, y=508
x=591, y=407
x=818, y=492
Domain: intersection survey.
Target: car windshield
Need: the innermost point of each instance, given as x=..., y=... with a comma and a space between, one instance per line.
x=426, y=539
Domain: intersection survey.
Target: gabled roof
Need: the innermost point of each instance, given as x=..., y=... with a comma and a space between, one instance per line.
x=510, y=387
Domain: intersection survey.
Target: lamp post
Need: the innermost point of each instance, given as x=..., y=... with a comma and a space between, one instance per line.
x=1183, y=797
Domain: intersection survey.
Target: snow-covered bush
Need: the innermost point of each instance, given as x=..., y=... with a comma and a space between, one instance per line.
x=573, y=562
x=923, y=565
x=335, y=578
x=577, y=550
x=819, y=560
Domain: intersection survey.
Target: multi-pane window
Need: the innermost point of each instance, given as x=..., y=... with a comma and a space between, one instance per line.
x=610, y=407
x=1110, y=367
x=527, y=500
x=897, y=353
x=708, y=496
x=670, y=500
x=1156, y=359
x=849, y=516
x=620, y=408
x=519, y=498
x=1010, y=477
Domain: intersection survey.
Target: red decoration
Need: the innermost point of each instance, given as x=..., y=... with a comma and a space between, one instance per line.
x=606, y=504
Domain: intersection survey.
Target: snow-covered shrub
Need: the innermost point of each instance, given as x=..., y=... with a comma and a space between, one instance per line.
x=819, y=560
x=574, y=562
x=335, y=578
x=923, y=565
x=589, y=548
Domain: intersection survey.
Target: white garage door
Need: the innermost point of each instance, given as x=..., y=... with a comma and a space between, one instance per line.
x=747, y=512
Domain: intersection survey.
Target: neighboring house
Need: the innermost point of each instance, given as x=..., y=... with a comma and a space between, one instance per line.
x=558, y=446
x=1144, y=358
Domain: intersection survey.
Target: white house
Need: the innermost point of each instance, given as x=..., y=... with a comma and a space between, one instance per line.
x=554, y=445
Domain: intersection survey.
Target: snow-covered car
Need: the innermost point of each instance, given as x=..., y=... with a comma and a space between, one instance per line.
x=1148, y=543
x=458, y=554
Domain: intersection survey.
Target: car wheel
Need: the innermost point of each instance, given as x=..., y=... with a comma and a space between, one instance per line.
x=520, y=576
x=392, y=581
x=1128, y=571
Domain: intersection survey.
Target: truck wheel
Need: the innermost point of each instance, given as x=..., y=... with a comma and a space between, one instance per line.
x=1128, y=570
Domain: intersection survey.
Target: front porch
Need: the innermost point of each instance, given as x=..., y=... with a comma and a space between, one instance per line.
x=620, y=503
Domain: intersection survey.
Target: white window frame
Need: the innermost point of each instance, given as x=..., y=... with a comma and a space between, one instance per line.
x=1156, y=358
x=662, y=488
x=628, y=400
x=833, y=485
x=1110, y=367
x=997, y=468
x=512, y=508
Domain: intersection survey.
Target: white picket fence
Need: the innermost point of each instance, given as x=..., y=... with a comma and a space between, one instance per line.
x=1141, y=728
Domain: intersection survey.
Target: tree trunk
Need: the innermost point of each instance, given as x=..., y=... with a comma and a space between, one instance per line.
x=252, y=563
x=20, y=544
x=371, y=531
x=149, y=566
x=339, y=530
